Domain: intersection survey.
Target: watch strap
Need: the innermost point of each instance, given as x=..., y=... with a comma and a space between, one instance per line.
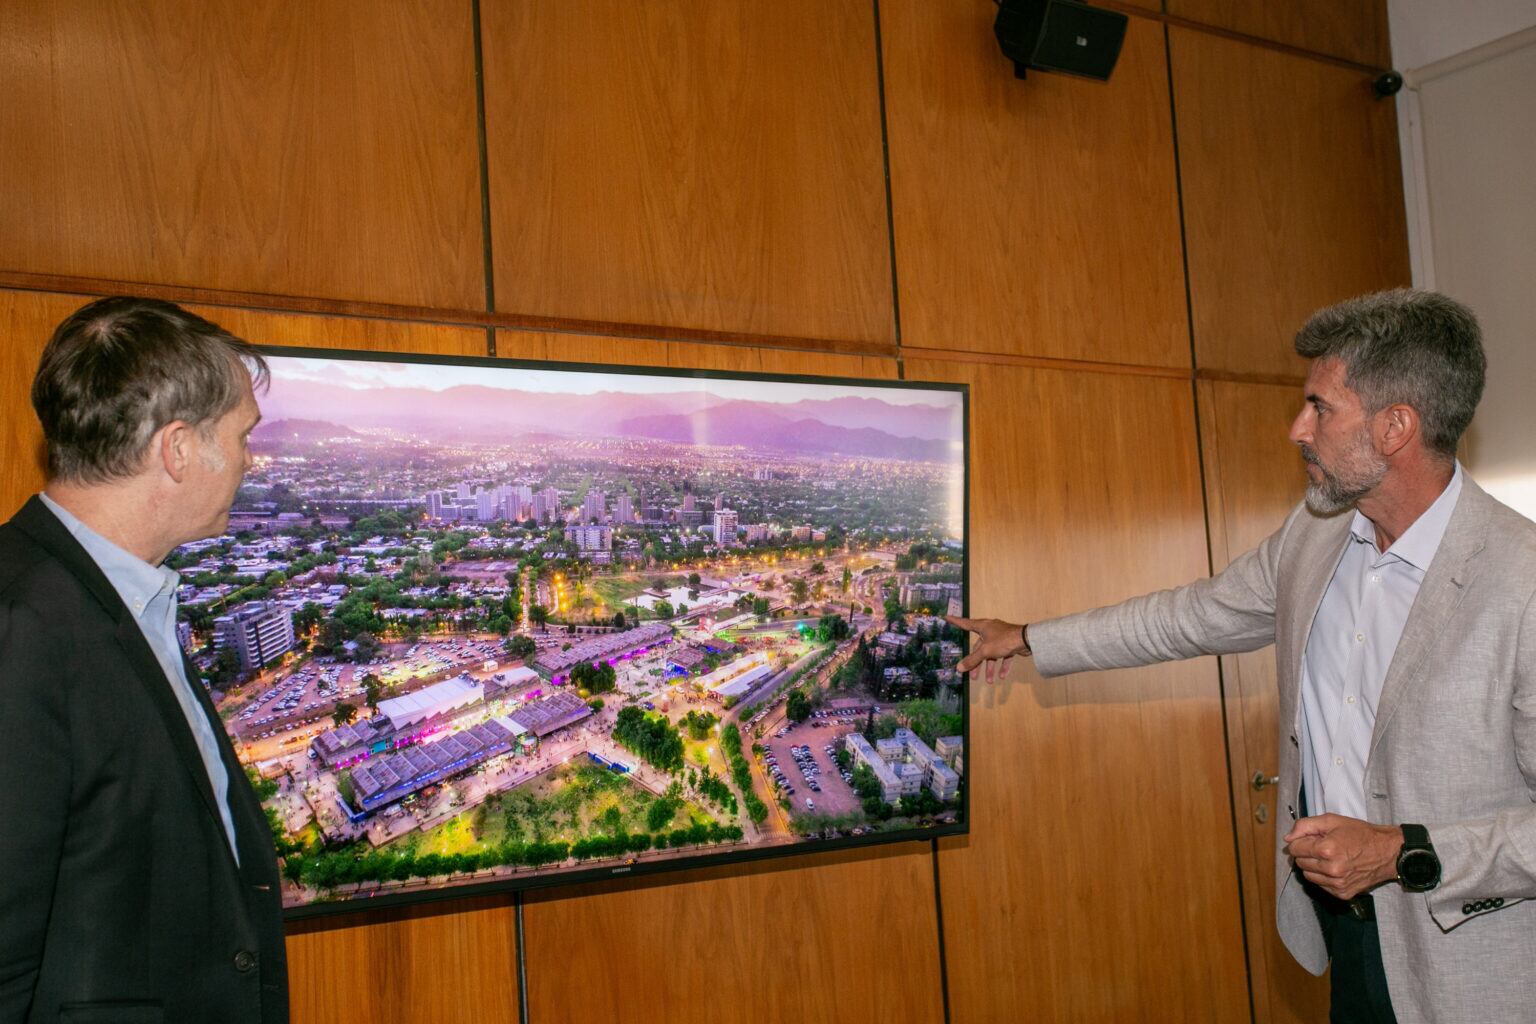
x=1418, y=866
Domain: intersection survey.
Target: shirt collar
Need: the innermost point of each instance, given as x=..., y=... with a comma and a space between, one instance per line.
x=1418, y=544
x=135, y=580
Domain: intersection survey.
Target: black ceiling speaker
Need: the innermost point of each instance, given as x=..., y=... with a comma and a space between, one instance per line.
x=1059, y=35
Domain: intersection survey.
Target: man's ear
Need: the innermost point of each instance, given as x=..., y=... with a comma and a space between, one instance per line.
x=175, y=446
x=1395, y=427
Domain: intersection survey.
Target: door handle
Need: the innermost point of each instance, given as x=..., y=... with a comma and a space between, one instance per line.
x=1260, y=780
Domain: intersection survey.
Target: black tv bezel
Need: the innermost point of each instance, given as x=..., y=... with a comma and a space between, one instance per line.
x=522, y=880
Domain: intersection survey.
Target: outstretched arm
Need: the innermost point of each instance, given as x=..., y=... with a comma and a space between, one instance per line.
x=1227, y=613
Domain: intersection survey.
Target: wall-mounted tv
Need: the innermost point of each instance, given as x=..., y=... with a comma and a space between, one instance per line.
x=483, y=624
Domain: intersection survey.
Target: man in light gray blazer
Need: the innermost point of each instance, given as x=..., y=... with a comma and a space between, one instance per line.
x=1401, y=600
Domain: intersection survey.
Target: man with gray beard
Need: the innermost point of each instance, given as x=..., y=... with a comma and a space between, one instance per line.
x=1401, y=600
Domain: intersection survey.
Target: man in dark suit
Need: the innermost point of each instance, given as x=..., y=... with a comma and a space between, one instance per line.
x=137, y=875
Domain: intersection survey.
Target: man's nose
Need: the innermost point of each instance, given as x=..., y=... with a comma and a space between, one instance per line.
x=1301, y=428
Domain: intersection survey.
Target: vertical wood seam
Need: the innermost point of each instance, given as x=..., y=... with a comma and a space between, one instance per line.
x=485, y=174
x=890, y=202
x=938, y=916
x=522, y=959
x=1205, y=508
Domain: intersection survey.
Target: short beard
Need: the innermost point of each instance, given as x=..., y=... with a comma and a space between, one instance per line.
x=1360, y=469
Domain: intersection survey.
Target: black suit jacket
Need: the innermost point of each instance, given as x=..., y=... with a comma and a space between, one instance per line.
x=119, y=897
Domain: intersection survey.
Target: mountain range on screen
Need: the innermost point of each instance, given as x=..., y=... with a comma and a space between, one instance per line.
x=844, y=425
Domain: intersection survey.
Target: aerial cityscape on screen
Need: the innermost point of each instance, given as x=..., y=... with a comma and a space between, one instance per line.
x=474, y=624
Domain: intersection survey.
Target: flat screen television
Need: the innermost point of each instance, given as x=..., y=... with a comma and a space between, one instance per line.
x=484, y=624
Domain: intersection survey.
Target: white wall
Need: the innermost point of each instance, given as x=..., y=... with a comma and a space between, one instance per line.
x=1468, y=124
x=1424, y=31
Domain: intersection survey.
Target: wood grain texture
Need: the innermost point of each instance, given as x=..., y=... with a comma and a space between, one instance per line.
x=265, y=302
x=1037, y=217
x=851, y=935
x=846, y=936
x=1292, y=196
x=1254, y=476
x=1353, y=29
x=446, y=963
x=299, y=329
x=1099, y=882
x=582, y=348
x=712, y=165
x=325, y=150
x=27, y=321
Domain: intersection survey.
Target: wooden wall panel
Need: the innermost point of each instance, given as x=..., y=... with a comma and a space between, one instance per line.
x=1354, y=29
x=447, y=963
x=849, y=936
x=27, y=320
x=311, y=331
x=1036, y=217
x=709, y=165
x=323, y=150
x=852, y=935
x=1293, y=195
x=585, y=348
x=1099, y=882
x=1254, y=477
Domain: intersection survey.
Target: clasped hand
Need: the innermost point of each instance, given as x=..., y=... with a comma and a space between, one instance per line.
x=1344, y=856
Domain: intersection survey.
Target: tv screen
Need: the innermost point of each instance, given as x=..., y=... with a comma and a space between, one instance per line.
x=481, y=624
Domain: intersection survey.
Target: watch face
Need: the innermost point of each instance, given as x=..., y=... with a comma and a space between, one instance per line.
x=1420, y=869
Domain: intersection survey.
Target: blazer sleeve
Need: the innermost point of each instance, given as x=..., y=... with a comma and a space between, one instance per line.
x=34, y=798
x=1231, y=612
x=1495, y=858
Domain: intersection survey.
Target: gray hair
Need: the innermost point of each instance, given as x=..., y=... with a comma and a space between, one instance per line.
x=1417, y=348
x=118, y=369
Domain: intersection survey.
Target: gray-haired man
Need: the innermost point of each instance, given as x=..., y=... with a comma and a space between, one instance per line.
x=1401, y=600
x=139, y=877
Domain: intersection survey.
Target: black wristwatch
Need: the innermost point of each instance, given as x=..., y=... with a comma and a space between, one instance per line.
x=1418, y=867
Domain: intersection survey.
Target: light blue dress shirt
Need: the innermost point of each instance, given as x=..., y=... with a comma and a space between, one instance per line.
x=1350, y=648
x=150, y=593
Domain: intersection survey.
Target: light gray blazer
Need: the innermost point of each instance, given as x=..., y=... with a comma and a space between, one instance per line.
x=1454, y=746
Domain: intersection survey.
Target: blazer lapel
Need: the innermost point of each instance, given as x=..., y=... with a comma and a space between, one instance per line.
x=44, y=527
x=1446, y=581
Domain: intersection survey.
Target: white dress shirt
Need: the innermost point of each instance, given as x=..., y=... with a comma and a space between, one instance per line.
x=1350, y=648
x=150, y=593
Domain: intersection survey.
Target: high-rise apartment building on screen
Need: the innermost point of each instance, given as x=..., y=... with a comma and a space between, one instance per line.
x=725, y=527
x=595, y=507
x=260, y=632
